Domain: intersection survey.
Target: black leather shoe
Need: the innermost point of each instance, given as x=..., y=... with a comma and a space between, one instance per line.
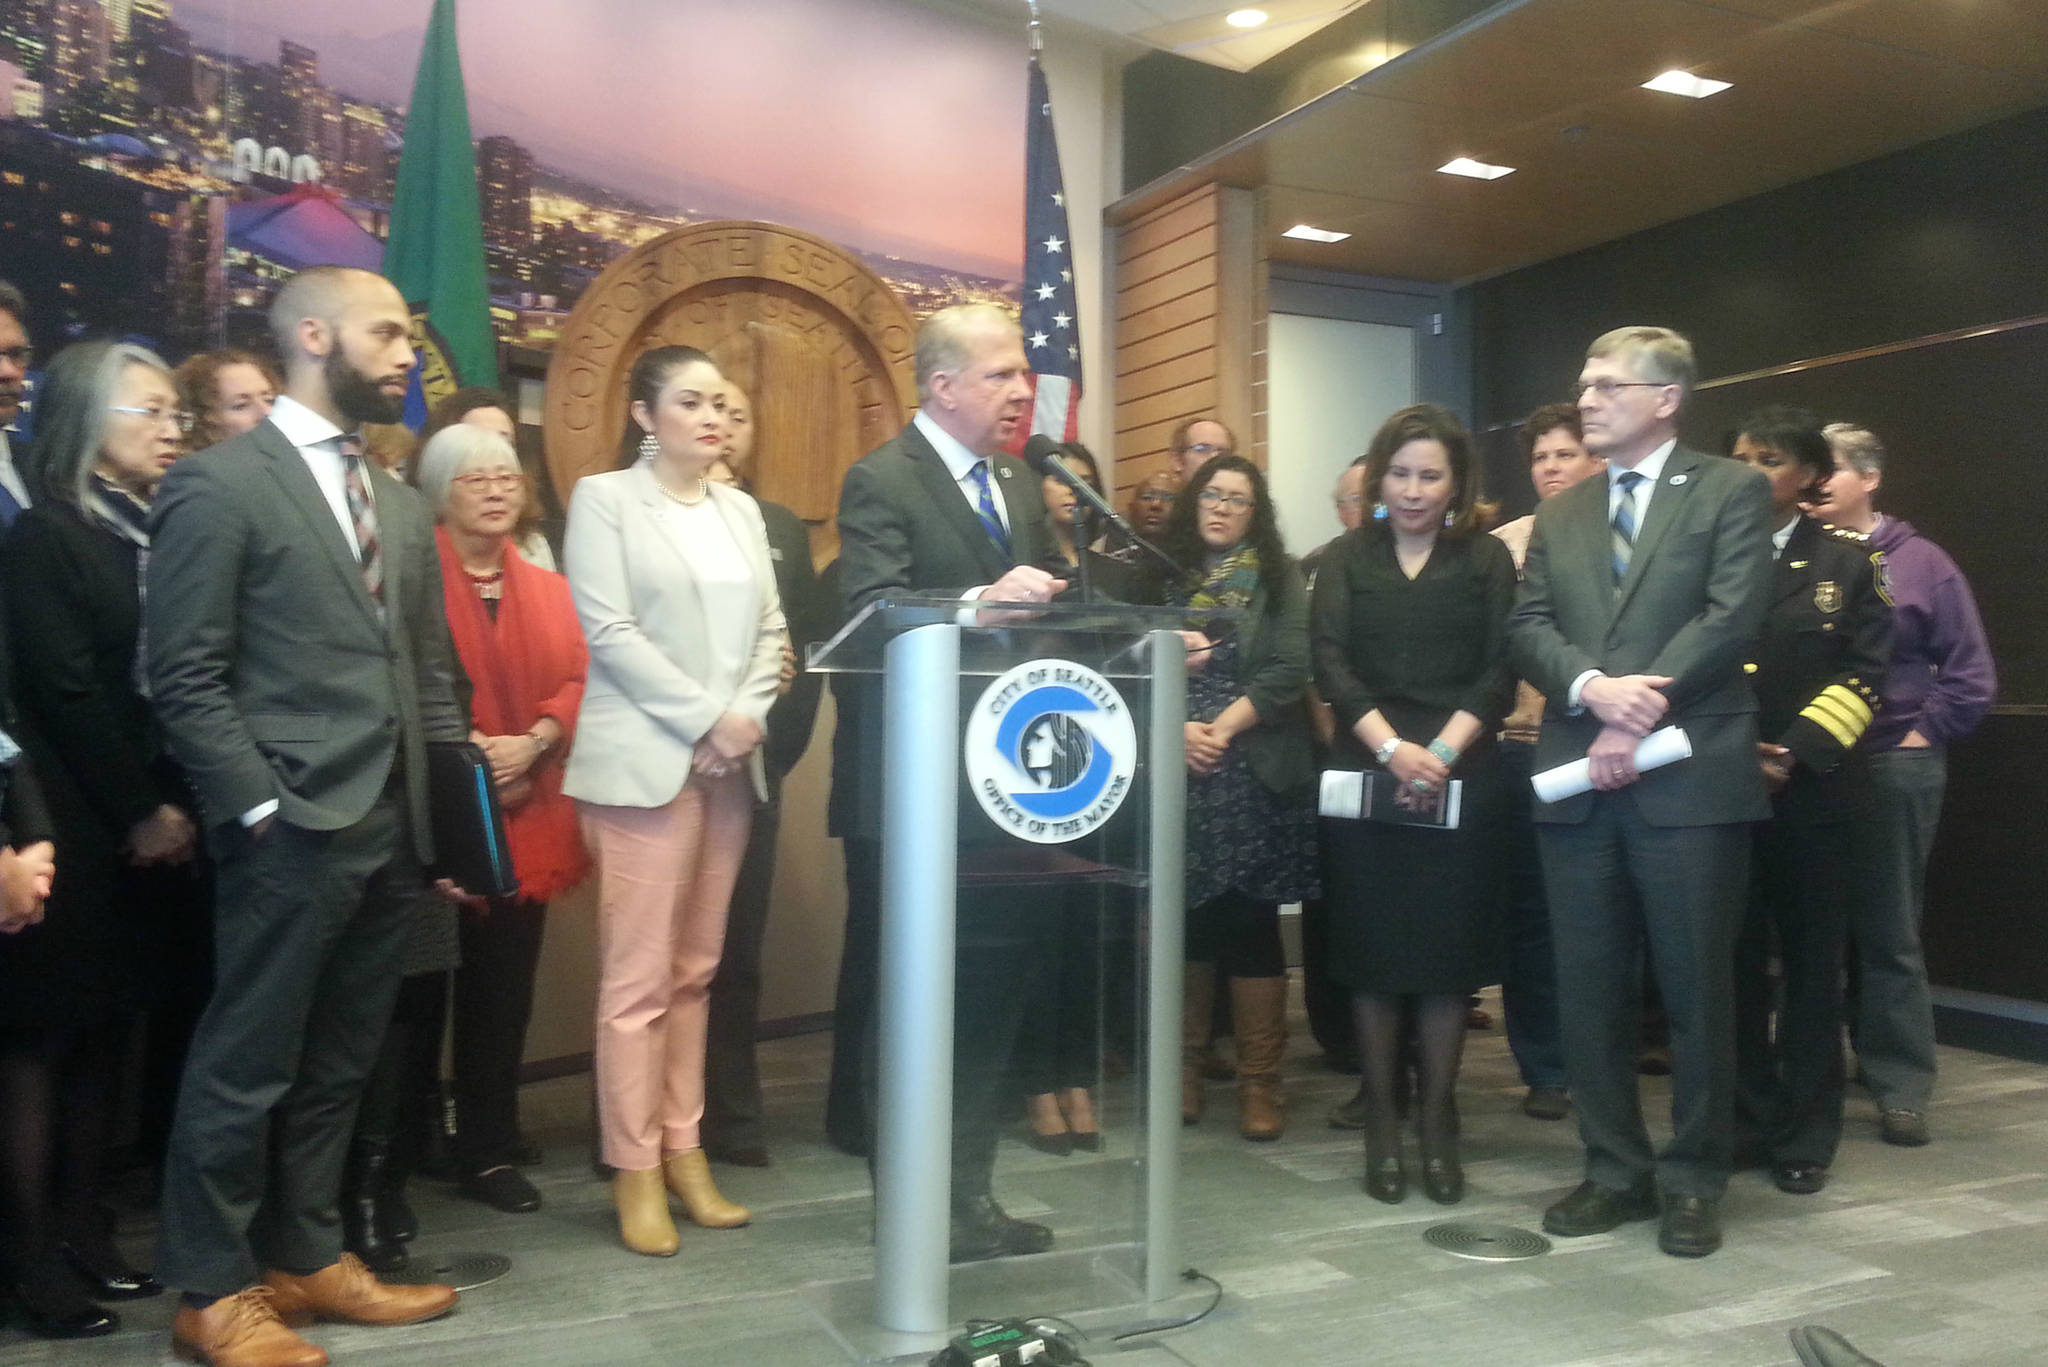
x=1386, y=1178
x=981, y=1229
x=52, y=1309
x=1593, y=1209
x=396, y=1221
x=502, y=1189
x=1546, y=1103
x=1443, y=1179
x=1907, y=1129
x=1799, y=1179
x=107, y=1275
x=738, y=1155
x=366, y=1222
x=1058, y=1145
x=1691, y=1228
x=1087, y=1141
x=1818, y=1347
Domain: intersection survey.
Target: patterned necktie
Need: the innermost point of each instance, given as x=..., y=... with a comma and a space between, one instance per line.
x=363, y=514
x=1624, y=538
x=985, y=509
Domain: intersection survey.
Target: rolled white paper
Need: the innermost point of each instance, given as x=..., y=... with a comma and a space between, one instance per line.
x=1654, y=751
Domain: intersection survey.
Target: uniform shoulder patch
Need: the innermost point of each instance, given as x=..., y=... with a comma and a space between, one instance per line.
x=1881, y=577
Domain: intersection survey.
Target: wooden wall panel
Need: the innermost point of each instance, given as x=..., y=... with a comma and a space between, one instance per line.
x=1184, y=325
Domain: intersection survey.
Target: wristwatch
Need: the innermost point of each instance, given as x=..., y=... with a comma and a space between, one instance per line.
x=1386, y=750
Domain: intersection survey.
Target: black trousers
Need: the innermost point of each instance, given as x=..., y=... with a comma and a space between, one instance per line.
x=493, y=1005
x=732, y=1077
x=999, y=930
x=1063, y=1046
x=1790, y=1083
x=309, y=935
x=1616, y=885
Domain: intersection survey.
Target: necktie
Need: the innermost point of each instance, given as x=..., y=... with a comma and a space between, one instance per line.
x=985, y=509
x=363, y=514
x=1624, y=538
x=10, y=507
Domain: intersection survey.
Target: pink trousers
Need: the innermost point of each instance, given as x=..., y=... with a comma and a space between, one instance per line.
x=665, y=877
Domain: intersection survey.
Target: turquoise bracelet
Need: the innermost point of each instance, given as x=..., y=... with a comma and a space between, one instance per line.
x=1443, y=752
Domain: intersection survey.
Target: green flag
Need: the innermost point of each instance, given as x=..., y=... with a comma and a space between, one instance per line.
x=435, y=254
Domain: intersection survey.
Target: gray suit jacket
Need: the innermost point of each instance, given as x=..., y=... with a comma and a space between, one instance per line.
x=269, y=669
x=1690, y=607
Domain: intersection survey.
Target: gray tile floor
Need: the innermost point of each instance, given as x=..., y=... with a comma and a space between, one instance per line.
x=1935, y=1257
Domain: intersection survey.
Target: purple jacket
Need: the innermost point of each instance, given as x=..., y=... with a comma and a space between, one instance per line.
x=1942, y=680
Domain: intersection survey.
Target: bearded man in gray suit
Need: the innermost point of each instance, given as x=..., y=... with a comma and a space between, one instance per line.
x=1643, y=594
x=299, y=661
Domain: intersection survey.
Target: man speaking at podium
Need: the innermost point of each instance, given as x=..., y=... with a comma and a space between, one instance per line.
x=938, y=511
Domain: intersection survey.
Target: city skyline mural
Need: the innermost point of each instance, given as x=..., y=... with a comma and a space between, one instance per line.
x=165, y=163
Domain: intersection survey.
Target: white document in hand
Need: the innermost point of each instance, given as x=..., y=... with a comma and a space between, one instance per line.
x=1654, y=751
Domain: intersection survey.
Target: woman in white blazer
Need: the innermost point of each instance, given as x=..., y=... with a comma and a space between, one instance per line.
x=675, y=590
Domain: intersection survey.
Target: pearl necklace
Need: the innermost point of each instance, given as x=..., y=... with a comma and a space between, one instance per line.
x=703, y=492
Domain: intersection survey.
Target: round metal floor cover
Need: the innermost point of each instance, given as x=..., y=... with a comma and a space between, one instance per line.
x=463, y=1271
x=1488, y=1243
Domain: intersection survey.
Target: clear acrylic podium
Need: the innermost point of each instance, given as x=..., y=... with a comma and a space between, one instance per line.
x=1031, y=792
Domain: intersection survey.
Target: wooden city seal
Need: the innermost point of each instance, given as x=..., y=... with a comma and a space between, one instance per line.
x=820, y=342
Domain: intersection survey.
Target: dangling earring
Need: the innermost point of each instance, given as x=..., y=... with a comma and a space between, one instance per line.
x=1379, y=512
x=1450, y=518
x=649, y=447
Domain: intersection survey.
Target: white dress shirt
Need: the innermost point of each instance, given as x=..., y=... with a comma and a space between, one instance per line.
x=1783, y=536
x=960, y=463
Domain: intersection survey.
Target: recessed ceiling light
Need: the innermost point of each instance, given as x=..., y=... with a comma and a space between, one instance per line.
x=1308, y=234
x=1477, y=170
x=1686, y=84
x=1245, y=18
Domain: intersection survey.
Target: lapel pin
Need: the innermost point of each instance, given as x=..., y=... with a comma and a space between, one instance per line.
x=1678, y=479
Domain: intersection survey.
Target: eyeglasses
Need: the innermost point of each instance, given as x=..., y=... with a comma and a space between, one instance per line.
x=1156, y=496
x=1607, y=388
x=22, y=356
x=1216, y=498
x=177, y=417
x=1205, y=449
x=482, y=481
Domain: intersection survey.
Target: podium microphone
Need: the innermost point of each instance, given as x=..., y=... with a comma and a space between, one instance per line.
x=1042, y=454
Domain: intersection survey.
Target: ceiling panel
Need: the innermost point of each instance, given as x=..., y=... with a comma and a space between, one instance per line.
x=1552, y=88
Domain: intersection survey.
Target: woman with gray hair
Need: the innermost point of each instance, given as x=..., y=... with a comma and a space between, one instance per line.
x=516, y=634
x=129, y=910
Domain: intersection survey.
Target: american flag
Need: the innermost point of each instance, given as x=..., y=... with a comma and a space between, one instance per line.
x=1052, y=323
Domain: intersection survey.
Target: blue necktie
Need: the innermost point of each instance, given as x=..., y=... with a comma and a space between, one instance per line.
x=10, y=507
x=985, y=509
x=1624, y=539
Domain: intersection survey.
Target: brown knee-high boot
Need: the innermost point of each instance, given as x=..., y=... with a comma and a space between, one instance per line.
x=1197, y=1009
x=1258, y=1007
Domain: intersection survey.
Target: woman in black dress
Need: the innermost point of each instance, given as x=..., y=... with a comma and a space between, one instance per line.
x=126, y=920
x=1251, y=777
x=1410, y=641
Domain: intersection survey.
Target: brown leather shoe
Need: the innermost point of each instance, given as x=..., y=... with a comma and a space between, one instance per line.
x=241, y=1330
x=346, y=1292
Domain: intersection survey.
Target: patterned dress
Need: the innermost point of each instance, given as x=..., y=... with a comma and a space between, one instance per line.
x=1242, y=834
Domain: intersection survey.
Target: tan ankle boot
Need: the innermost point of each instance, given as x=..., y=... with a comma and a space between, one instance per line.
x=644, y=1222
x=1258, y=1010
x=1197, y=1009
x=689, y=1177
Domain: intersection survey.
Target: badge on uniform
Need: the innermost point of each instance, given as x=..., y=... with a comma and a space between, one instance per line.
x=1827, y=596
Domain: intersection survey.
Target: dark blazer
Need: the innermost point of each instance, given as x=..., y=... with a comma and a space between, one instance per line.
x=1273, y=667
x=1820, y=662
x=272, y=674
x=73, y=613
x=1690, y=607
x=810, y=616
x=906, y=530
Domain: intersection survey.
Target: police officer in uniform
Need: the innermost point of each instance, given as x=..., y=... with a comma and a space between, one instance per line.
x=1818, y=669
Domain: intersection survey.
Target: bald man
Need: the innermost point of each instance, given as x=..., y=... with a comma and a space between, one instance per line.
x=299, y=662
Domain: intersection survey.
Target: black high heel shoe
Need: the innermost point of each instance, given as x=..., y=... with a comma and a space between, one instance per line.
x=107, y=1274
x=1443, y=1179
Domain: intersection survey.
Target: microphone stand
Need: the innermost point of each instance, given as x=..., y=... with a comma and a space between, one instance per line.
x=1099, y=507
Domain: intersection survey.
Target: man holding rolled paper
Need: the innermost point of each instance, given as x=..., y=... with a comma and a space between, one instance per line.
x=1642, y=595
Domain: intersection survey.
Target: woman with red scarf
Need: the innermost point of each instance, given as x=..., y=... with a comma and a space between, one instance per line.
x=516, y=633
